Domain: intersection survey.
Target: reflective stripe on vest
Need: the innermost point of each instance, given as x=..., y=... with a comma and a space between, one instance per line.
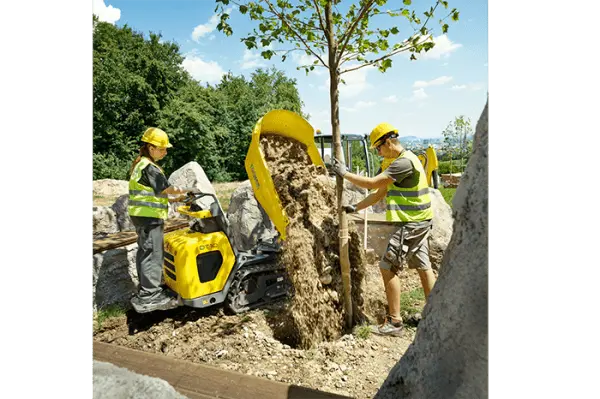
x=411, y=204
x=142, y=200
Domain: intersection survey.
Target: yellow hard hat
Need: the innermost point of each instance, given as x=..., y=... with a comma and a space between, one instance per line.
x=380, y=130
x=157, y=137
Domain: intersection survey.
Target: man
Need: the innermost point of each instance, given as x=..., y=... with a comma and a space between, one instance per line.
x=403, y=184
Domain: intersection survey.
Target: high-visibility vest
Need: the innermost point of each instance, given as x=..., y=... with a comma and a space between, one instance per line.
x=412, y=204
x=142, y=199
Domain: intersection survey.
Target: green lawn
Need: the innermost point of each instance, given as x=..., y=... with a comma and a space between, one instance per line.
x=448, y=194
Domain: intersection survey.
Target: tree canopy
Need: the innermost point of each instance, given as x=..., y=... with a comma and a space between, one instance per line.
x=140, y=82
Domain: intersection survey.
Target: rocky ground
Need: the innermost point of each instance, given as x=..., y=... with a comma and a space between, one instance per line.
x=354, y=365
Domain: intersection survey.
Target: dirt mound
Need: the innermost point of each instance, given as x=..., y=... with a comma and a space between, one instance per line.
x=311, y=249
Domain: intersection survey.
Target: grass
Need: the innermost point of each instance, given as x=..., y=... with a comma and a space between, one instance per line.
x=448, y=194
x=363, y=331
x=108, y=312
x=413, y=301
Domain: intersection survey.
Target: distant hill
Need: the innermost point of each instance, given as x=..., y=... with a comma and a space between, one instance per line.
x=409, y=138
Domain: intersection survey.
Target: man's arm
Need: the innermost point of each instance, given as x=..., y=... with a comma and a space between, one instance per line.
x=382, y=180
x=371, y=199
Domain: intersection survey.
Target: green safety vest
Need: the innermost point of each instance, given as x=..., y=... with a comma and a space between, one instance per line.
x=142, y=200
x=412, y=204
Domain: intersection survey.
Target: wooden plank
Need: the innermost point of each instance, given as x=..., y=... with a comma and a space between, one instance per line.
x=129, y=237
x=198, y=381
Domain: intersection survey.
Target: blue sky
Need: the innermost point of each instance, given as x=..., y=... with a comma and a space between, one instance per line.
x=419, y=97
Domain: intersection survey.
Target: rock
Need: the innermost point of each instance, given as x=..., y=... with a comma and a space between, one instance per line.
x=449, y=356
x=114, y=277
x=110, y=381
x=104, y=221
x=110, y=187
x=248, y=221
x=221, y=353
x=442, y=228
x=192, y=175
x=120, y=208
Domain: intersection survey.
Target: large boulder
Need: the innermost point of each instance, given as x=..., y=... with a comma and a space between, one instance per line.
x=248, y=221
x=110, y=187
x=120, y=208
x=104, y=221
x=114, y=277
x=110, y=381
x=192, y=175
x=442, y=228
x=449, y=356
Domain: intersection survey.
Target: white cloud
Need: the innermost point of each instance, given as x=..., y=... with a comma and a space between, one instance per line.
x=442, y=49
x=204, y=29
x=303, y=59
x=359, y=105
x=204, y=71
x=108, y=14
x=356, y=82
x=419, y=95
x=470, y=86
x=390, y=99
x=435, y=82
x=445, y=64
x=252, y=60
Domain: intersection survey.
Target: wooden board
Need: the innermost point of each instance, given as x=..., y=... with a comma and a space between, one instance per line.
x=129, y=237
x=197, y=381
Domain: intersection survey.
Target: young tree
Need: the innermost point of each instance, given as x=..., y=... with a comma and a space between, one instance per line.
x=458, y=139
x=334, y=38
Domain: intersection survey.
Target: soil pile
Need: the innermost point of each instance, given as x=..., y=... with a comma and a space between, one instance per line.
x=311, y=250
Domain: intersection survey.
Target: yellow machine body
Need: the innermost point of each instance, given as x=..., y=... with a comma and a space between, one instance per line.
x=197, y=265
x=430, y=163
x=287, y=124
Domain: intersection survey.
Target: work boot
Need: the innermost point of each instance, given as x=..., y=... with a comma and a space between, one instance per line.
x=162, y=301
x=389, y=327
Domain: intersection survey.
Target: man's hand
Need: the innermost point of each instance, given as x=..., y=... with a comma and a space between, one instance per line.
x=350, y=208
x=339, y=167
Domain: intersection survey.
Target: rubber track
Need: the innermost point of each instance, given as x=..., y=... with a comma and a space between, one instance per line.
x=265, y=268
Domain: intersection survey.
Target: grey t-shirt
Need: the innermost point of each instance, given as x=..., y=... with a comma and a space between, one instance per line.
x=154, y=178
x=403, y=173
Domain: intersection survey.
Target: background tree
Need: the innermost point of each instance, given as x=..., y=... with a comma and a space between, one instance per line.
x=334, y=38
x=458, y=141
x=140, y=82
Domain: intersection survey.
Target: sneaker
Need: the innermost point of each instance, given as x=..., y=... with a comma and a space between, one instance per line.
x=394, y=329
x=162, y=301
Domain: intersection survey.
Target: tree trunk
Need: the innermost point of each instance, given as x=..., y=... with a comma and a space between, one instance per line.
x=334, y=79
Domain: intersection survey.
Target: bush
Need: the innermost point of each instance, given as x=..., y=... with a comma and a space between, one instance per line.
x=457, y=166
x=108, y=166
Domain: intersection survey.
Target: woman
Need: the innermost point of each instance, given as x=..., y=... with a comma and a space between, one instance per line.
x=148, y=209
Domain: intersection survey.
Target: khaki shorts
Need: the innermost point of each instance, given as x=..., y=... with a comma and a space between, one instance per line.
x=409, y=244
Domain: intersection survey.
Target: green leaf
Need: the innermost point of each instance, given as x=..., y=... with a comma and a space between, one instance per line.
x=243, y=9
x=445, y=28
x=385, y=64
x=412, y=57
x=267, y=54
x=455, y=16
x=394, y=31
x=407, y=2
x=445, y=4
x=406, y=13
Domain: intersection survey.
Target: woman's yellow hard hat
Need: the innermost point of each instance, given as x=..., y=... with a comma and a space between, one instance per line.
x=157, y=137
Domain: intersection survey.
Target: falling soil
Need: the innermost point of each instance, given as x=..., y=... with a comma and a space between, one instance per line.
x=310, y=252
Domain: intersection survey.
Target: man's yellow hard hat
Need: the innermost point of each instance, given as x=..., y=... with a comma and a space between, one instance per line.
x=381, y=130
x=157, y=137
